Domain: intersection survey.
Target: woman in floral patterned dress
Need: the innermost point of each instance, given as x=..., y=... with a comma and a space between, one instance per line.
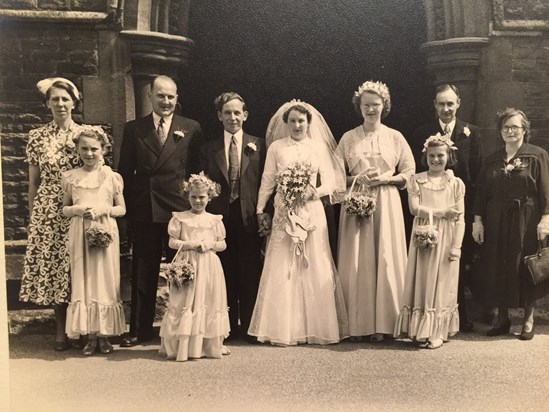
x=50, y=152
x=511, y=213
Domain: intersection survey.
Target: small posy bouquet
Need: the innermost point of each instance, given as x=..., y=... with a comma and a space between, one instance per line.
x=359, y=204
x=293, y=184
x=179, y=273
x=99, y=235
x=426, y=236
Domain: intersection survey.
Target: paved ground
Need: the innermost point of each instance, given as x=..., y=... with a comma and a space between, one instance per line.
x=472, y=372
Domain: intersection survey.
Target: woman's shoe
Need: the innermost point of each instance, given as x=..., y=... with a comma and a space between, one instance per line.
x=90, y=347
x=527, y=335
x=105, y=346
x=437, y=343
x=376, y=337
x=62, y=346
x=500, y=330
x=225, y=350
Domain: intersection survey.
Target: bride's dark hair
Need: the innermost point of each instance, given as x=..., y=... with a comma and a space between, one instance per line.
x=301, y=109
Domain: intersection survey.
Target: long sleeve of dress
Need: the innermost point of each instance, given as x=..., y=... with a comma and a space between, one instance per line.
x=406, y=165
x=268, y=182
x=543, y=183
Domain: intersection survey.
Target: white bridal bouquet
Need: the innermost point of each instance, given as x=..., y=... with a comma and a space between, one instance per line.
x=293, y=185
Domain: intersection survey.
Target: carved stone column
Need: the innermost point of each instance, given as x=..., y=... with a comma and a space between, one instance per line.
x=152, y=54
x=457, y=31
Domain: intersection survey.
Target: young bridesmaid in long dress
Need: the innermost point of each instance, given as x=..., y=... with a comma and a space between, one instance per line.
x=197, y=319
x=92, y=199
x=430, y=311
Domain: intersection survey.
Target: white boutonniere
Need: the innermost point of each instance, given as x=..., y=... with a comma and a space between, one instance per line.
x=251, y=147
x=466, y=131
x=179, y=134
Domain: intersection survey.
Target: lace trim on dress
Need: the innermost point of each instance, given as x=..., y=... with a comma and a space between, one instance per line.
x=423, y=179
x=204, y=220
x=78, y=178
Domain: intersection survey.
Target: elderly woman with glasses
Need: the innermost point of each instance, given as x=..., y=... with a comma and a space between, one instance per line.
x=511, y=213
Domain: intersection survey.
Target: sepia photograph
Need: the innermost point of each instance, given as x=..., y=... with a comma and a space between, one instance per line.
x=274, y=205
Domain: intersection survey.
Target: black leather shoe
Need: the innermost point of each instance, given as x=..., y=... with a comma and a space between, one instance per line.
x=130, y=341
x=62, y=346
x=90, y=348
x=466, y=326
x=500, y=330
x=105, y=346
x=527, y=335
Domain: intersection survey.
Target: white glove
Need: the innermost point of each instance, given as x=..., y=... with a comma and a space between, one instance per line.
x=478, y=232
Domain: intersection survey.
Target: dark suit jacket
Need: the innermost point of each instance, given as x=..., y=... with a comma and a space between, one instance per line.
x=214, y=164
x=153, y=174
x=468, y=153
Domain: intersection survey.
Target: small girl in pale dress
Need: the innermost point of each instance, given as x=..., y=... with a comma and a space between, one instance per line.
x=430, y=311
x=197, y=320
x=92, y=199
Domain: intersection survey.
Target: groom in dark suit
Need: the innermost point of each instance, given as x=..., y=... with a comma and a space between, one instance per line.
x=157, y=153
x=466, y=137
x=235, y=160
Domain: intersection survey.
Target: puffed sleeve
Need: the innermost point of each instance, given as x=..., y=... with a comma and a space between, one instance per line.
x=219, y=230
x=341, y=151
x=543, y=182
x=268, y=182
x=174, y=228
x=117, y=184
x=33, y=147
x=412, y=186
x=459, y=189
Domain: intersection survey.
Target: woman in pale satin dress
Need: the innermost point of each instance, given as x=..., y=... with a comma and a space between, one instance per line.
x=372, y=251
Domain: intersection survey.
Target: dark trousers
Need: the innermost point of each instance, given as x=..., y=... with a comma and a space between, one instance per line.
x=150, y=243
x=241, y=263
x=467, y=252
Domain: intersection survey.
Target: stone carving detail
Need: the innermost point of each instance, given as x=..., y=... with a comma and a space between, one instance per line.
x=526, y=9
x=521, y=14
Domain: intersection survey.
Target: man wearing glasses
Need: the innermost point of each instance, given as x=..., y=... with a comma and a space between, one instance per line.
x=466, y=137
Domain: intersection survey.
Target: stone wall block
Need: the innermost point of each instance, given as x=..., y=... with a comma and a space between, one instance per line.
x=54, y=4
x=88, y=5
x=530, y=76
x=15, y=187
x=19, y=4
x=44, y=44
x=45, y=68
x=78, y=68
x=84, y=57
x=524, y=64
x=13, y=168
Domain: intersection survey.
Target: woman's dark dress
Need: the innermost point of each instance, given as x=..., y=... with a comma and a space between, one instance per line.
x=511, y=204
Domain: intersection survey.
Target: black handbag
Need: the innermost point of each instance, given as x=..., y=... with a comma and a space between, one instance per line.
x=538, y=265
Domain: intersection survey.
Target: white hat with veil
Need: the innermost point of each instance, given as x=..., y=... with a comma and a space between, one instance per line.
x=330, y=163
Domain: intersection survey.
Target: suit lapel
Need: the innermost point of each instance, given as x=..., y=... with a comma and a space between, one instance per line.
x=170, y=144
x=221, y=159
x=245, y=158
x=149, y=137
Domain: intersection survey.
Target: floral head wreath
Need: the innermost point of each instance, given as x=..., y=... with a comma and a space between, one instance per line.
x=444, y=139
x=97, y=130
x=201, y=180
x=377, y=87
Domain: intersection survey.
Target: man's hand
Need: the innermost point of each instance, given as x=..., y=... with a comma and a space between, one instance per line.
x=264, y=222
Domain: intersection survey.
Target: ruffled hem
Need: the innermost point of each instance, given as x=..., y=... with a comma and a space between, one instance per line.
x=423, y=179
x=104, y=320
x=202, y=221
x=430, y=324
